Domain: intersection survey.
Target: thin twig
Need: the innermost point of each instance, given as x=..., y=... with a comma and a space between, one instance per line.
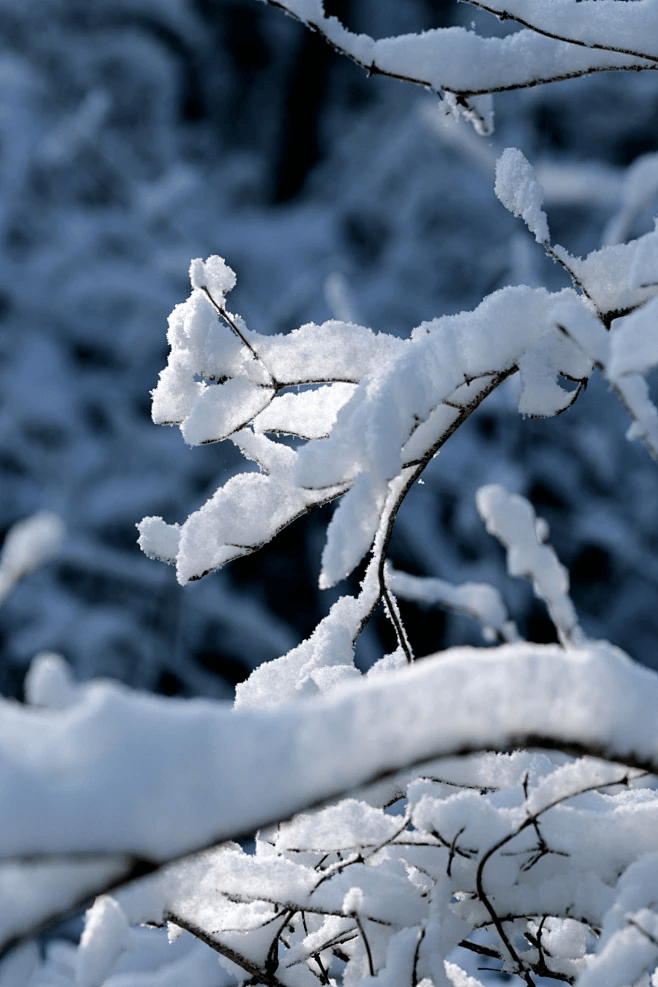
x=393, y=613
x=371, y=965
x=414, y=973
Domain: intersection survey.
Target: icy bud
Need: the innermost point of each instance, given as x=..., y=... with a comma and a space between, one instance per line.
x=520, y=192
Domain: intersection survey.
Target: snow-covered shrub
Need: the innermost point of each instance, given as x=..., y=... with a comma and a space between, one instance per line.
x=490, y=805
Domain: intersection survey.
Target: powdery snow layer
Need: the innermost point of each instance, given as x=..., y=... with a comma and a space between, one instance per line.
x=120, y=771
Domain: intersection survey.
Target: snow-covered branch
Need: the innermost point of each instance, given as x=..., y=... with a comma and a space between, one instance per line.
x=562, y=39
x=120, y=800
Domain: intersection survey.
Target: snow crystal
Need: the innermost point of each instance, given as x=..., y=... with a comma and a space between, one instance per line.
x=308, y=414
x=541, y=396
x=388, y=663
x=296, y=673
x=458, y=60
x=614, y=276
x=583, y=327
x=107, y=749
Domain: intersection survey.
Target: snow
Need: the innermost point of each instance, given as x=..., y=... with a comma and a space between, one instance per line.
x=159, y=540
x=223, y=409
x=633, y=343
x=611, y=26
x=215, y=275
x=106, y=935
x=462, y=62
x=630, y=345
x=352, y=529
x=121, y=774
x=520, y=192
x=30, y=890
x=316, y=665
x=50, y=682
x=106, y=749
x=308, y=414
x=27, y=545
x=482, y=602
x=511, y=518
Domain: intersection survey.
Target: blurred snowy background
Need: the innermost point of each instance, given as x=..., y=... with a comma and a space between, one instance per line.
x=137, y=134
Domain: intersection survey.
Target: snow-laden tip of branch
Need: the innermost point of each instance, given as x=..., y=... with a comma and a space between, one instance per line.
x=480, y=601
x=159, y=540
x=511, y=518
x=28, y=545
x=520, y=192
x=50, y=683
x=106, y=935
x=214, y=275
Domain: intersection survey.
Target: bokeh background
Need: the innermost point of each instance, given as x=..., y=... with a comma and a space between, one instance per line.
x=137, y=134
